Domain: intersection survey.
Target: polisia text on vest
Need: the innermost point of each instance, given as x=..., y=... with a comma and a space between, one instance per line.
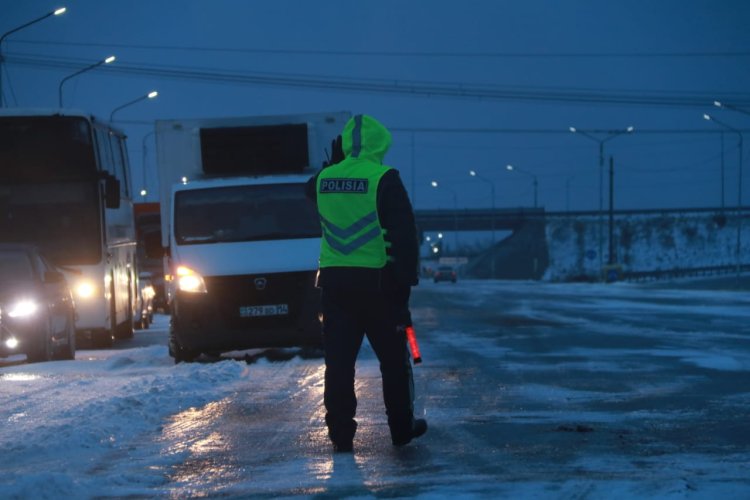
x=357, y=186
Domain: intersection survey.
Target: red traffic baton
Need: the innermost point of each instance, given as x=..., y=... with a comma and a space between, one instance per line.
x=411, y=337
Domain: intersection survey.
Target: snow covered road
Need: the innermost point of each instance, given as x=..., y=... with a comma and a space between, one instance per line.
x=531, y=390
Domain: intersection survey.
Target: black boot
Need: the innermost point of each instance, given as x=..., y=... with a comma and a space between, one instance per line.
x=419, y=427
x=341, y=434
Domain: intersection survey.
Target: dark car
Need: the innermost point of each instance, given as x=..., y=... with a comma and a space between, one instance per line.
x=444, y=273
x=37, y=313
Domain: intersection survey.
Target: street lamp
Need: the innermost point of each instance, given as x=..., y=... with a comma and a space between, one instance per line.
x=511, y=168
x=739, y=185
x=56, y=12
x=724, y=105
x=87, y=68
x=150, y=95
x=610, y=135
x=455, y=214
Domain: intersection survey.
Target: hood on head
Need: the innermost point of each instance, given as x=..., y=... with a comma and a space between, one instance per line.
x=365, y=137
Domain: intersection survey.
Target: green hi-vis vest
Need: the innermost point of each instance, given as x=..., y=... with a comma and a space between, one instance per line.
x=347, y=204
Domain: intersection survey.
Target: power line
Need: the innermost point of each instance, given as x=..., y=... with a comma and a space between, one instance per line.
x=413, y=88
x=451, y=130
x=382, y=53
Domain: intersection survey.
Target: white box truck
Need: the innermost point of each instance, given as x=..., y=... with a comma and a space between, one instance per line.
x=242, y=240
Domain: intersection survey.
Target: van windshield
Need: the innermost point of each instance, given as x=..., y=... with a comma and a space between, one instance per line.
x=244, y=213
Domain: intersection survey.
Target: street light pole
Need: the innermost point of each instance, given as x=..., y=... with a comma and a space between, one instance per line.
x=567, y=192
x=87, y=68
x=739, y=187
x=144, y=189
x=55, y=12
x=455, y=215
x=511, y=168
x=610, y=135
x=413, y=174
x=492, y=219
x=150, y=95
x=611, y=259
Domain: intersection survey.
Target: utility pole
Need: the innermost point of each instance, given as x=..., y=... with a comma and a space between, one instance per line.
x=610, y=135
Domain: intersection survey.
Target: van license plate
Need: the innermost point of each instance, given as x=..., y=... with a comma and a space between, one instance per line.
x=267, y=310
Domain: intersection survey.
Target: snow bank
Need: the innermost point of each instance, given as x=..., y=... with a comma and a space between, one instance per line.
x=642, y=243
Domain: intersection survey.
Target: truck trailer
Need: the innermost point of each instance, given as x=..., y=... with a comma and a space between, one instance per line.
x=241, y=239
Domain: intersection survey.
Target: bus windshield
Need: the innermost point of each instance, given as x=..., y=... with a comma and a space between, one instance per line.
x=62, y=218
x=244, y=213
x=45, y=148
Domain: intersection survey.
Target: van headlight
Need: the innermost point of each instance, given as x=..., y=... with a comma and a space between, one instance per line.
x=22, y=308
x=188, y=280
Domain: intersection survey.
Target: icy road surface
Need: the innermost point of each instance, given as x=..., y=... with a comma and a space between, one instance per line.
x=531, y=390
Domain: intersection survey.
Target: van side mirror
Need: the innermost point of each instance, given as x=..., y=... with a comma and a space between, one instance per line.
x=112, y=192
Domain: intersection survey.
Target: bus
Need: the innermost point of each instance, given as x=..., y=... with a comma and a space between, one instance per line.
x=65, y=187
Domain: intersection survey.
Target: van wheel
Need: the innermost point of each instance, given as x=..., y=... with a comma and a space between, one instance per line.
x=179, y=353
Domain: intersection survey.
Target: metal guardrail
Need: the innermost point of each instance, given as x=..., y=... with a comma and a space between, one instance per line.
x=683, y=273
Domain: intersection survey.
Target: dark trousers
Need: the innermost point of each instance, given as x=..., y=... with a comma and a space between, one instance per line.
x=347, y=316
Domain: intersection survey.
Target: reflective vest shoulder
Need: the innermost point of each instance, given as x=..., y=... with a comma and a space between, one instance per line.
x=347, y=205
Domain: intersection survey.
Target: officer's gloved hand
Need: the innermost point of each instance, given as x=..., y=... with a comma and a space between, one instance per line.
x=401, y=303
x=337, y=152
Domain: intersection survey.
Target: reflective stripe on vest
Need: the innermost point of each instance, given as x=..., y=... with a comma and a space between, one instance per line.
x=335, y=234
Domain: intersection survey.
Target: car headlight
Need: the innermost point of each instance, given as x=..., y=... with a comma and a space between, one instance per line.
x=85, y=289
x=22, y=308
x=189, y=280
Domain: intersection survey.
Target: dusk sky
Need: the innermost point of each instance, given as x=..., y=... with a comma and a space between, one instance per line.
x=462, y=85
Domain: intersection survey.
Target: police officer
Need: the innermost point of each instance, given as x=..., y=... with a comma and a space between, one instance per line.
x=368, y=263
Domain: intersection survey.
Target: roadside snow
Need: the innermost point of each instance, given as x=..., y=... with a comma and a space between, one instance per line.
x=72, y=415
